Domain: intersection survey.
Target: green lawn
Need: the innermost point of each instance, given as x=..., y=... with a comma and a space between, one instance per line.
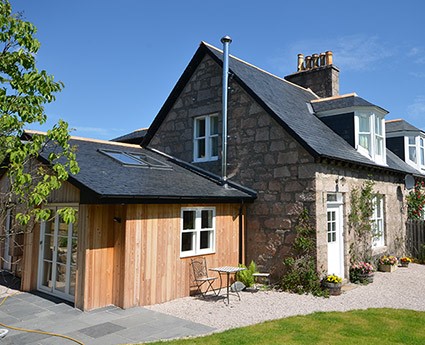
x=369, y=327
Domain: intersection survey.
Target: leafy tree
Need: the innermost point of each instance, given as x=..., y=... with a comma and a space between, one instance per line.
x=24, y=91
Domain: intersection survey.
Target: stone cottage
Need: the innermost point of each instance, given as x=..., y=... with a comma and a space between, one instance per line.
x=297, y=143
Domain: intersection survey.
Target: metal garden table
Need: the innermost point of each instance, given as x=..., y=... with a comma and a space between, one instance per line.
x=228, y=270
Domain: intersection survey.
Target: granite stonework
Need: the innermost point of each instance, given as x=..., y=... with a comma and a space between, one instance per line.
x=343, y=180
x=264, y=157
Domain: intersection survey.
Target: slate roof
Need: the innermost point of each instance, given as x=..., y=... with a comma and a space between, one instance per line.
x=103, y=179
x=134, y=137
x=288, y=104
x=341, y=102
x=399, y=125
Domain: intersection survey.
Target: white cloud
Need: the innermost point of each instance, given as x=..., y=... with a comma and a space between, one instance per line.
x=354, y=52
x=414, y=51
x=417, y=108
x=98, y=132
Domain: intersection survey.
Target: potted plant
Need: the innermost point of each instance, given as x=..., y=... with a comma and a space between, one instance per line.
x=405, y=261
x=333, y=283
x=362, y=272
x=388, y=263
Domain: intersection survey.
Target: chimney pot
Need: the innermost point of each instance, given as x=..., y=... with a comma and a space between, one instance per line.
x=322, y=59
x=300, y=66
x=329, y=57
x=308, y=62
x=315, y=60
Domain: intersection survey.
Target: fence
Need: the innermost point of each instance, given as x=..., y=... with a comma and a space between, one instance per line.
x=415, y=238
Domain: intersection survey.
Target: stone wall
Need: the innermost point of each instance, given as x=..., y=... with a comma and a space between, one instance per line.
x=264, y=157
x=342, y=179
x=261, y=156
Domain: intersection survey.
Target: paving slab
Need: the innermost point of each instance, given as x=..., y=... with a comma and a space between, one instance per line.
x=103, y=326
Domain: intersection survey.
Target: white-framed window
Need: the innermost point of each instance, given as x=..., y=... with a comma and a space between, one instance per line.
x=197, y=231
x=378, y=239
x=370, y=138
x=415, y=151
x=205, y=140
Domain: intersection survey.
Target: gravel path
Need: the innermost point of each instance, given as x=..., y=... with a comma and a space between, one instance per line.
x=402, y=289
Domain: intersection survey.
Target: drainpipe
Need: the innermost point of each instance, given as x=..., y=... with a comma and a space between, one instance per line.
x=226, y=40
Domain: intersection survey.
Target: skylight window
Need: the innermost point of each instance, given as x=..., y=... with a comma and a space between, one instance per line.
x=135, y=159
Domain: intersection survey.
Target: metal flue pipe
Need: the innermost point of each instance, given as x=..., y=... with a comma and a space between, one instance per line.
x=226, y=40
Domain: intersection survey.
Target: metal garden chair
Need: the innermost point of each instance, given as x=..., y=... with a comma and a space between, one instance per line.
x=200, y=273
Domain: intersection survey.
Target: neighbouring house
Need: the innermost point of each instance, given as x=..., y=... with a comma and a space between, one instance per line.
x=407, y=142
x=141, y=216
x=297, y=143
x=135, y=137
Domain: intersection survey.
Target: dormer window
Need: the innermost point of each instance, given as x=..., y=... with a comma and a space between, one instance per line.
x=415, y=147
x=370, y=135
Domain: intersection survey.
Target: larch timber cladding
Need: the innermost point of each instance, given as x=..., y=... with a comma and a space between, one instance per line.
x=137, y=262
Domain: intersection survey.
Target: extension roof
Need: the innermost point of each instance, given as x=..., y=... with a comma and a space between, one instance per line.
x=341, y=102
x=399, y=125
x=287, y=103
x=103, y=179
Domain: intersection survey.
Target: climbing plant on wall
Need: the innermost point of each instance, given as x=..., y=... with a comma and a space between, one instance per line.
x=359, y=221
x=416, y=202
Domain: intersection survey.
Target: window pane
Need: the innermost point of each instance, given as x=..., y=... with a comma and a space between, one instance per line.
x=201, y=148
x=206, y=237
x=123, y=158
x=379, y=145
x=206, y=219
x=378, y=125
x=364, y=124
x=188, y=220
x=200, y=127
x=422, y=156
x=214, y=146
x=412, y=153
x=187, y=241
x=411, y=140
x=365, y=141
x=213, y=125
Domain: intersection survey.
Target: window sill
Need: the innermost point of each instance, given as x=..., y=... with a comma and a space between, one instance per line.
x=191, y=254
x=212, y=159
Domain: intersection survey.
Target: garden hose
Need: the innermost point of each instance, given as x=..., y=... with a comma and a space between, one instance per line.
x=36, y=331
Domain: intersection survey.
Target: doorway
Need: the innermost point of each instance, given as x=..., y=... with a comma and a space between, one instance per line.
x=335, y=234
x=58, y=257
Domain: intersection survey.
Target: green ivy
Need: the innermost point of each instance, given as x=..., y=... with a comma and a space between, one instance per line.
x=359, y=221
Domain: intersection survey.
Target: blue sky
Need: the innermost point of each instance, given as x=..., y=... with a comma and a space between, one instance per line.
x=119, y=60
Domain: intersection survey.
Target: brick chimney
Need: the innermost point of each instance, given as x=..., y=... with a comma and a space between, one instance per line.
x=317, y=73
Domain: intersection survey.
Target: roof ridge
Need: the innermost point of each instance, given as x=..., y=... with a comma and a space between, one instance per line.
x=92, y=140
x=394, y=120
x=352, y=94
x=260, y=69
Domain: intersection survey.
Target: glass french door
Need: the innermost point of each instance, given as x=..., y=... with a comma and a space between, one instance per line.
x=58, y=257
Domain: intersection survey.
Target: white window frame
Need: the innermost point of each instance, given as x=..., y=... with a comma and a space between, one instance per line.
x=377, y=147
x=208, y=138
x=378, y=221
x=419, y=146
x=196, y=232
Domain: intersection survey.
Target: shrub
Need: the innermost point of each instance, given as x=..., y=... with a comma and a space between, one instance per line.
x=246, y=276
x=302, y=276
